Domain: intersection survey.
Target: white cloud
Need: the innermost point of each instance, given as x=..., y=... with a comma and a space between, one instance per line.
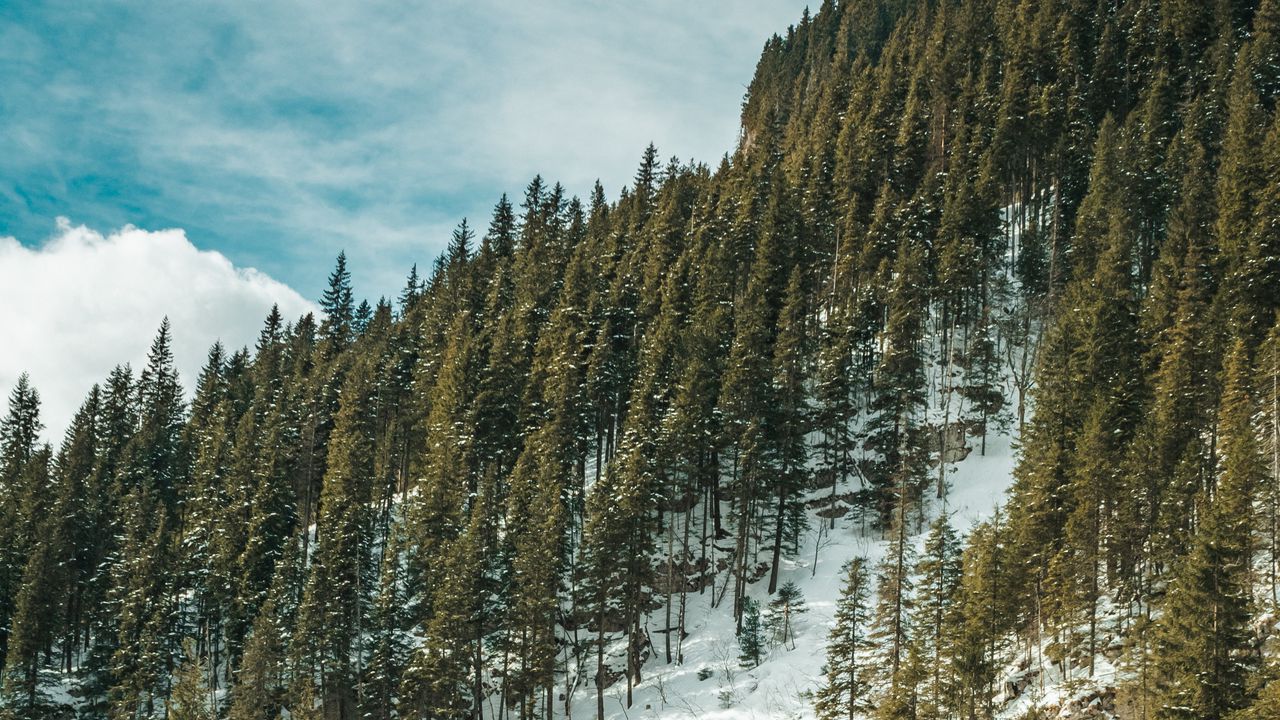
x=369, y=125
x=83, y=302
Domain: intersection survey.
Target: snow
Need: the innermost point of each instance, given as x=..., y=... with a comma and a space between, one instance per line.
x=711, y=684
x=782, y=686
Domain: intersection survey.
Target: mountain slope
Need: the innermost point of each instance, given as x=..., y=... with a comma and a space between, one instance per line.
x=948, y=224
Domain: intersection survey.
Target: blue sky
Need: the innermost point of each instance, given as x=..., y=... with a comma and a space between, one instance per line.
x=278, y=132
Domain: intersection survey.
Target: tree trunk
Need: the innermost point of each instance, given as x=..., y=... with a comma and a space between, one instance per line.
x=600, y=661
x=777, y=539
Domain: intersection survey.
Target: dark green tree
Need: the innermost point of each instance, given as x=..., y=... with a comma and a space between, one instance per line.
x=751, y=640
x=782, y=613
x=1202, y=647
x=844, y=693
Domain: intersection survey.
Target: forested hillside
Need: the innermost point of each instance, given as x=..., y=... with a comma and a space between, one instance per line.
x=600, y=429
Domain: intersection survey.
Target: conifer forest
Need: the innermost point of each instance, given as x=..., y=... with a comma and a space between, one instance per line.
x=951, y=391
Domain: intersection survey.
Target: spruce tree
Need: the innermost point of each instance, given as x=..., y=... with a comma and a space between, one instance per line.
x=751, y=641
x=38, y=605
x=899, y=390
x=844, y=692
x=790, y=420
x=782, y=613
x=936, y=619
x=19, y=433
x=1201, y=653
x=190, y=698
x=329, y=631
x=338, y=305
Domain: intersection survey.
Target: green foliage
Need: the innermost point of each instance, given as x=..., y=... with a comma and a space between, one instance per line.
x=599, y=408
x=848, y=673
x=782, y=614
x=1202, y=642
x=751, y=640
x=190, y=698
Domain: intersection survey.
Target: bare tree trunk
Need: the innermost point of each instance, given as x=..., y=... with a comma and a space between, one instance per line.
x=671, y=563
x=684, y=587
x=777, y=539
x=600, y=660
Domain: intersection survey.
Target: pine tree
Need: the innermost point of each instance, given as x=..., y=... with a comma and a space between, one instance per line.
x=844, y=692
x=114, y=433
x=899, y=390
x=333, y=611
x=1186, y=343
x=790, y=421
x=190, y=698
x=209, y=433
x=262, y=679
x=891, y=628
x=1201, y=653
x=835, y=391
x=1269, y=395
x=1263, y=707
x=1262, y=268
x=19, y=433
x=1240, y=202
x=338, y=305
x=413, y=290
x=617, y=543
x=381, y=681
x=445, y=468
x=443, y=676
x=156, y=459
x=982, y=387
x=617, y=546
x=989, y=612
x=20, y=430
x=153, y=468
x=936, y=619
x=782, y=613
x=259, y=687
x=537, y=551
x=38, y=605
x=78, y=516
x=447, y=507
x=751, y=641
x=143, y=604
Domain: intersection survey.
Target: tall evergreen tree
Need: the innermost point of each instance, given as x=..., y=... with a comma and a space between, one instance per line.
x=1202, y=643
x=19, y=435
x=329, y=633
x=845, y=691
x=936, y=618
x=338, y=304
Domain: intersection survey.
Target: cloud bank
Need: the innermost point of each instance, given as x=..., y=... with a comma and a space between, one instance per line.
x=83, y=302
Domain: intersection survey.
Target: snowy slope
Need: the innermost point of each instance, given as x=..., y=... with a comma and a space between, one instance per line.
x=781, y=686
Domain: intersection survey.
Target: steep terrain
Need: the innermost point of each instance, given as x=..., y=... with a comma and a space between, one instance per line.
x=962, y=246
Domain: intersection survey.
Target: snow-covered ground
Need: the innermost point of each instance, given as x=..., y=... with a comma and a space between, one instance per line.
x=711, y=684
